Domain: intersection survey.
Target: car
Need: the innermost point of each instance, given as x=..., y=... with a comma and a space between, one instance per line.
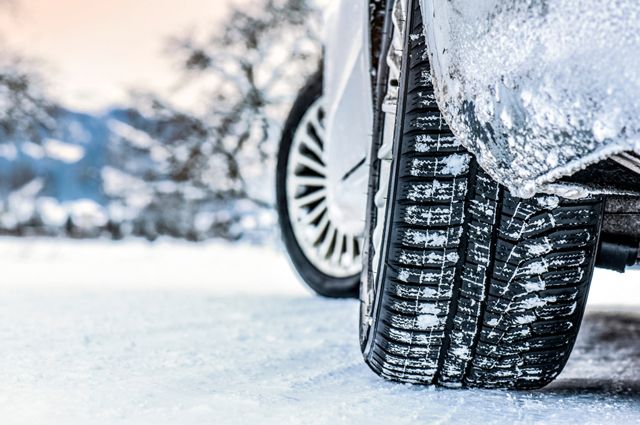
x=463, y=167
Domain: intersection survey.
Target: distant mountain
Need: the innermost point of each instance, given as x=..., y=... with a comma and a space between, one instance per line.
x=68, y=162
x=89, y=176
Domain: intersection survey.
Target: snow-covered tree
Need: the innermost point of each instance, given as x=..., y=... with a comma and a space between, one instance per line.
x=220, y=156
x=163, y=169
x=27, y=114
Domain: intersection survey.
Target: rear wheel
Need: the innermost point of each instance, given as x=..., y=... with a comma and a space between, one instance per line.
x=464, y=284
x=325, y=252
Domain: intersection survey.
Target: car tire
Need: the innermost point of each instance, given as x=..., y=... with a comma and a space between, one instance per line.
x=324, y=282
x=473, y=287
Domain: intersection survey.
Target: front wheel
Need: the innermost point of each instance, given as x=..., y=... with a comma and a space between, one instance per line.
x=465, y=285
x=325, y=252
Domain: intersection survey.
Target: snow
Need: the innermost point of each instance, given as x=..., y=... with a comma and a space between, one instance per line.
x=456, y=164
x=33, y=150
x=537, y=90
x=136, y=137
x=52, y=213
x=428, y=321
x=61, y=151
x=172, y=333
x=429, y=238
x=87, y=214
x=8, y=151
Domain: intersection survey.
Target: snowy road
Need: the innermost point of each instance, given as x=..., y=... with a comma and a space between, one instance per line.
x=132, y=333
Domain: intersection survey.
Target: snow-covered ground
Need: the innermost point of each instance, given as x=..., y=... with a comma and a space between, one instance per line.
x=171, y=333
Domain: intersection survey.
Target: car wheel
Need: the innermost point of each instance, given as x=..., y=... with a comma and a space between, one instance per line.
x=464, y=284
x=326, y=255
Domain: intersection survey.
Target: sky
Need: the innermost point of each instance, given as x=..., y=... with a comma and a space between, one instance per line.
x=94, y=51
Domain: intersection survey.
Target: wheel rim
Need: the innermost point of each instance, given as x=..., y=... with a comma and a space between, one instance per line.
x=326, y=242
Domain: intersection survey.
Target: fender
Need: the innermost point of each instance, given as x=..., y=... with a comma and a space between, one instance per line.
x=539, y=90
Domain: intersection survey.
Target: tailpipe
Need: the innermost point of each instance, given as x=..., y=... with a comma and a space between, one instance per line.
x=618, y=252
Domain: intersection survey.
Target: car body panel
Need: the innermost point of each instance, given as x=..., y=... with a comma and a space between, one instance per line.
x=537, y=90
x=349, y=107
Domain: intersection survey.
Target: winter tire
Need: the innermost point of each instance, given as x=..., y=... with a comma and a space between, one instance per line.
x=325, y=256
x=469, y=286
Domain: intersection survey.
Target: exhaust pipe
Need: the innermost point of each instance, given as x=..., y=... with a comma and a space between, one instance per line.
x=618, y=252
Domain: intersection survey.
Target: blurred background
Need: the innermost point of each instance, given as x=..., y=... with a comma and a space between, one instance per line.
x=147, y=118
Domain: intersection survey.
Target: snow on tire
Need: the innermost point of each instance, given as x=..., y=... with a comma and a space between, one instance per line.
x=474, y=287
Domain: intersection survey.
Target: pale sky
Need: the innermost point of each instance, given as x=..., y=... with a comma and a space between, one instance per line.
x=94, y=50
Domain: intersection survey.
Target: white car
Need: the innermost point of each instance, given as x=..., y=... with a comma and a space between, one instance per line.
x=463, y=166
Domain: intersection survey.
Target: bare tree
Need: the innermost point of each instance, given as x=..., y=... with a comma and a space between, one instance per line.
x=25, y=110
